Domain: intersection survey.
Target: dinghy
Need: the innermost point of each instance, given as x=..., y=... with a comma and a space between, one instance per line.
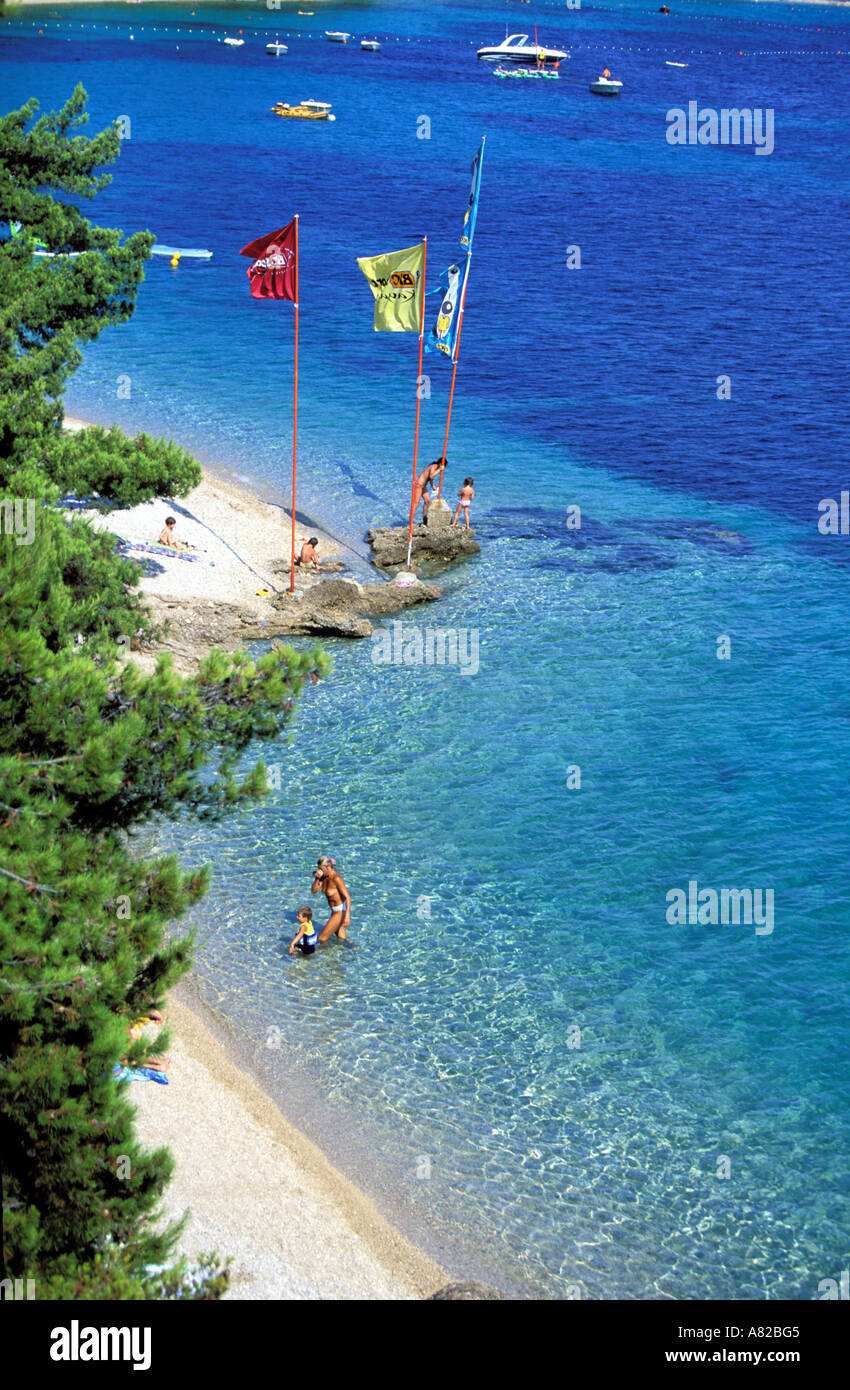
x=606, y=87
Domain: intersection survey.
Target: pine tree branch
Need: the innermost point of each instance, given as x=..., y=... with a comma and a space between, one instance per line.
x=33, y=887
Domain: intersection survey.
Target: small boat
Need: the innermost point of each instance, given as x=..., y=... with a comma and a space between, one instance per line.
x=188, y=253
x=370, y=45
x=517, y=49
x=668, y=64
x=234, y=43
x=305, y=110
x=337, y=35
x=606, y=87
x=275, y=49
x=525, y=72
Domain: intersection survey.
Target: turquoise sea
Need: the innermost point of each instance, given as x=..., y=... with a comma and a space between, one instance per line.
x=536, y=1075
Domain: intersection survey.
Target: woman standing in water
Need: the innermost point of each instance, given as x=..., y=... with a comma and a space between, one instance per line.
x=326, y=880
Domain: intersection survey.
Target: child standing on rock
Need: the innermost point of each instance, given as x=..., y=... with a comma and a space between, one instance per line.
x=466, y=495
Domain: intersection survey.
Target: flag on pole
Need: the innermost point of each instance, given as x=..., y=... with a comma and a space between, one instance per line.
x=443, y=336
x=273, y=273
x=472, y=210
x=396, y=282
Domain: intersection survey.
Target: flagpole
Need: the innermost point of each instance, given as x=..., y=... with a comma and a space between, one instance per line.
x=457, y=343
x=294, y=419
x=454, y=373
x=418, y=400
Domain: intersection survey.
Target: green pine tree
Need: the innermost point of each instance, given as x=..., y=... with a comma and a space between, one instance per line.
x=91, y=750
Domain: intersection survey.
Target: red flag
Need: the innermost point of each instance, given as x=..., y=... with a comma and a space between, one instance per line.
x=273, y=272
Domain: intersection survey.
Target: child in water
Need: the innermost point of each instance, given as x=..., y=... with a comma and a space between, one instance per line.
x=307, y=937
x=466, y=495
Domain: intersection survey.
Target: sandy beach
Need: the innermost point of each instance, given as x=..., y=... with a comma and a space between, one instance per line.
x=260, y=1192
x=237, y=540
x=240, y=552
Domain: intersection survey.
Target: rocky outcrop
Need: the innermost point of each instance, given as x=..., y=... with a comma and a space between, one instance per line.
x=342, y=607
x=188, y=628
x=441, y=544
x=304, y=571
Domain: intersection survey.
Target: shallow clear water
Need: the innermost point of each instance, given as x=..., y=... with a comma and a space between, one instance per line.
x=498, y=911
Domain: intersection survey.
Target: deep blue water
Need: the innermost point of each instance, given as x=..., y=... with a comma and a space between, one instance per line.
x=437, y=1063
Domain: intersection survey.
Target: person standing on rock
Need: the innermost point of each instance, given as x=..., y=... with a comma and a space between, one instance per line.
x=466, y=495
x=428, y=479
x=326, y=880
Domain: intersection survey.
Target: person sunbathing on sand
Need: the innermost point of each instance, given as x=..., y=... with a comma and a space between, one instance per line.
x=326, y=880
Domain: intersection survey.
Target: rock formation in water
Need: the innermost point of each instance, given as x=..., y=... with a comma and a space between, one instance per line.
x=438, y=543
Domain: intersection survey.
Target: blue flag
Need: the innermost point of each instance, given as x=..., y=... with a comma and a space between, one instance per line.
x=443, y=336
x=472, y=210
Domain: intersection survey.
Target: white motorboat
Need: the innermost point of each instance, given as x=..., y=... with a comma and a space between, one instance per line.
x=234, y=43
x=337, y=35
x=516, y=48
x=370, y=45
x=275, y=49
x=606, y=87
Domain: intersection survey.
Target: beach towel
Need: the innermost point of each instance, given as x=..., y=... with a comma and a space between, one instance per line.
x=88, y=504
x=149, y=548
x=139, y=1074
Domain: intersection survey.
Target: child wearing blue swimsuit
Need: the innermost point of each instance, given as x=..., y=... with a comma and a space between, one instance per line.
x=307, y=937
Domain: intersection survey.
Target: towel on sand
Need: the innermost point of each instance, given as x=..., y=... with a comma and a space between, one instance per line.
x=150, y=548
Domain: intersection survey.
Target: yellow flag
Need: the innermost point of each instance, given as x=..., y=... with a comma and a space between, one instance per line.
x=396, y=281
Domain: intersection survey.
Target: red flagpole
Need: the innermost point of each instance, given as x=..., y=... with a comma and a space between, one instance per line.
x=418, y=399
x=294, y=418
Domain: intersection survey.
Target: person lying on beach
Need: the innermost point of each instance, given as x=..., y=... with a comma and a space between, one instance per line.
x=427, y=481
x=305, y=939
x=308, y=554
x=326, y=880
x=466, y=495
